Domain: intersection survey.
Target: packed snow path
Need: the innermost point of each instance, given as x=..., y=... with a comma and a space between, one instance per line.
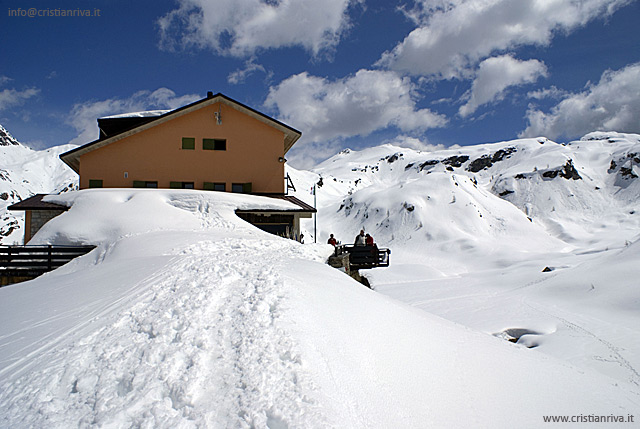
x=209, y=327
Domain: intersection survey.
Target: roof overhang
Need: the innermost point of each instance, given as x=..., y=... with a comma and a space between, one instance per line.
x=303, y=209
x=291, y=135
x=36, y=203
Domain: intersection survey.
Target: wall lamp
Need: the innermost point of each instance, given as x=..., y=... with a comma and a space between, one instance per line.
x=281, y=160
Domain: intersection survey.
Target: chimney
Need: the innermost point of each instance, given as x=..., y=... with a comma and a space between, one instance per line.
x=209, y=94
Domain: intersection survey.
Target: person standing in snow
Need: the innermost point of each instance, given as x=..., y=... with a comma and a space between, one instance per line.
x=360, y=239
x=332, y=240
x=368, y=240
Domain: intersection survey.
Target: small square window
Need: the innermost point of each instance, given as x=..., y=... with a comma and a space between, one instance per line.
x=188, y=143
x=181, y=185
x=241, y=188
x=95, y=183
x=214, y=144
x=210, y=186
x=144, y=184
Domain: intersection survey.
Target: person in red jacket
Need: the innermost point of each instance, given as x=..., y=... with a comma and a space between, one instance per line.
x=368, y=240
x=332, y=240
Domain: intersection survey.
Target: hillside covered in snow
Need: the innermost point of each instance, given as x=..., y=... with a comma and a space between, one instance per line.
x=23, y=173
x=511, y=296
x=528, y=240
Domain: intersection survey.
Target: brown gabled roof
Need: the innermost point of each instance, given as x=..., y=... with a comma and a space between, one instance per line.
x=291, y=135
x=36, y=203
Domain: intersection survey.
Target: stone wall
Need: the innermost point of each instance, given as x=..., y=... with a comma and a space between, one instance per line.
x=39, y=218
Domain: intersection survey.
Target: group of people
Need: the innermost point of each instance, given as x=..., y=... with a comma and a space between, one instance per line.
x=362, y=239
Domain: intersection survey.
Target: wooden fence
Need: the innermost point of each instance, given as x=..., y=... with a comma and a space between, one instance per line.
x=32, y=261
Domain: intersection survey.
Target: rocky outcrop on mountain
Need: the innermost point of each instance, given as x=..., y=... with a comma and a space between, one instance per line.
x=7, y=139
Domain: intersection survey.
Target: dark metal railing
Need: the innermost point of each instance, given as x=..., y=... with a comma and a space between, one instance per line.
x=362, y=257
x=37, y=260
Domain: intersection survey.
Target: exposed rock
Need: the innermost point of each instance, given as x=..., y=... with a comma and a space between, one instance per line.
x=568, y=171
x=393, y=158
x=627, y=173
x=7, y=139
x=456, y=161
x=480, y=164
x=486, y=161
x=503, y=153
x=428, y=163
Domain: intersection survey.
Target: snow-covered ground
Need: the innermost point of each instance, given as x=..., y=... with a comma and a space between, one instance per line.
x=470, y=244
x=186, y=316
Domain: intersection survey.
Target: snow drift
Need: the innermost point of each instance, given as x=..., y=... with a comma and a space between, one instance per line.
x=196, y=319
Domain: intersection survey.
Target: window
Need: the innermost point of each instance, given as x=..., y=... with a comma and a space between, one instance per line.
x=210, y=186
x=95, y=183
x=144, y=184
x=181, y=185
x=241, y=188
x=214, y=144
x=188, y=143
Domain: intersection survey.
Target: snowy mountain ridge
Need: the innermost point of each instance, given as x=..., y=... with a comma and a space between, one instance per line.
x=25, y=172
x=578, y=183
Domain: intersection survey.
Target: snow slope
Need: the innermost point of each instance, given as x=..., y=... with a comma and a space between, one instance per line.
x=471, y=230
x=194, y=318
x=23, y=173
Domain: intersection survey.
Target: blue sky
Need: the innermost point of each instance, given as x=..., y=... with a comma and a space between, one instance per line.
x=418, y=73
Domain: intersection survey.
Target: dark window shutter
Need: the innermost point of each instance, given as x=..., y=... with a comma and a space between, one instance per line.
x=188, y=143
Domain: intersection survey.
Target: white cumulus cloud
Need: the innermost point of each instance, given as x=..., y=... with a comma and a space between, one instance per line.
x=416, y=143
x=613, y=104
x=11, y=97
x=242, y=27
x=452, y=36
x=83, y=116
x=353, y=106
x=495, y=75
